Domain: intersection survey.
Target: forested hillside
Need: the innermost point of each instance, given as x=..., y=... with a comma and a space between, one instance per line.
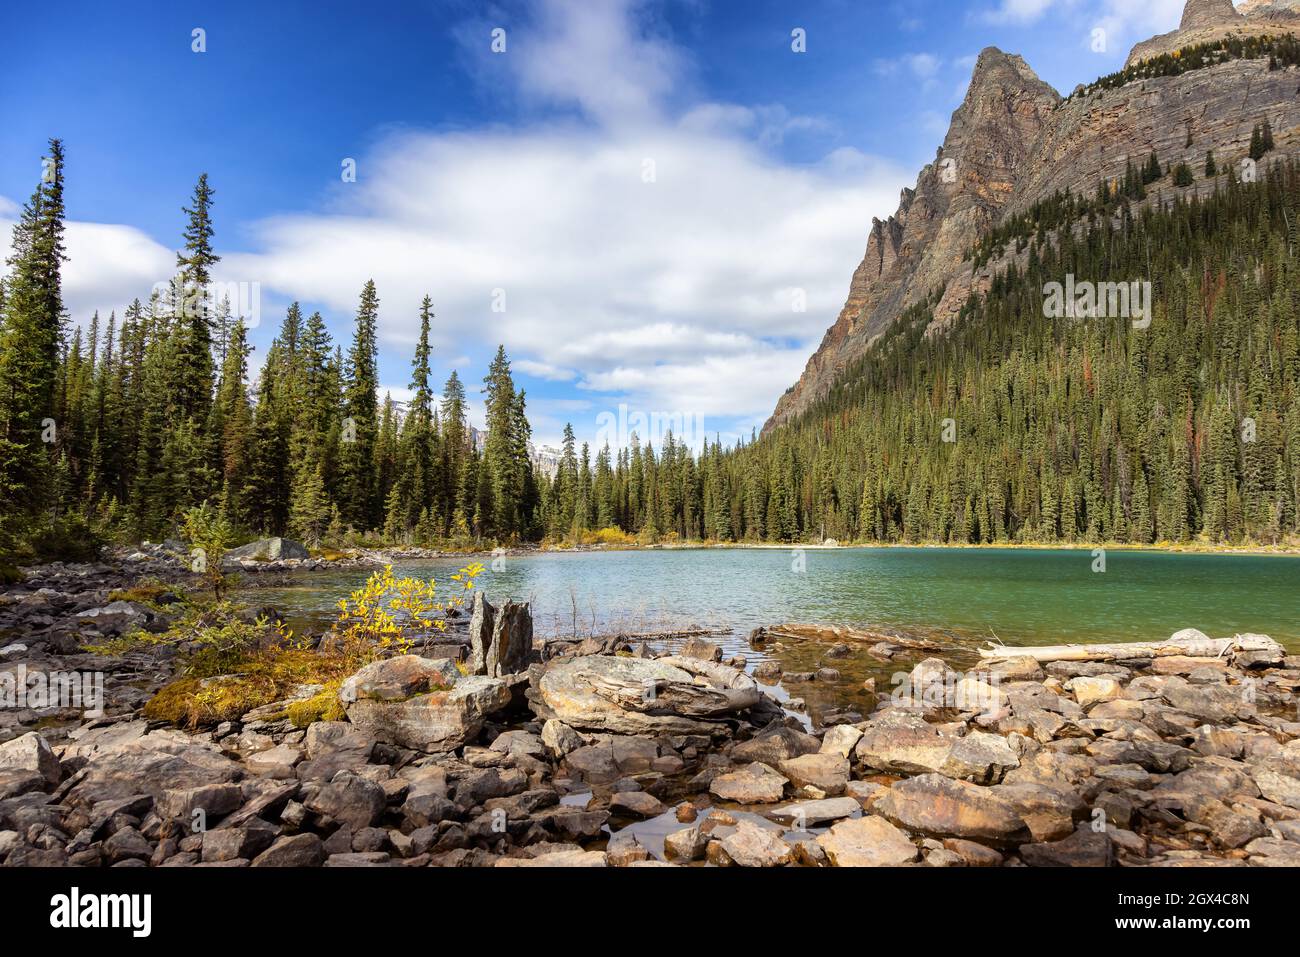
x=1006, y=426
x=1072, y=429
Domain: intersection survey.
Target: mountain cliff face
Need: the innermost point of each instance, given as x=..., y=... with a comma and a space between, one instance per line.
x=956, y=196
x=1015, y=141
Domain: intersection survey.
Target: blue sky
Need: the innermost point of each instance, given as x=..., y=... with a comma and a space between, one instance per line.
x=633, y=196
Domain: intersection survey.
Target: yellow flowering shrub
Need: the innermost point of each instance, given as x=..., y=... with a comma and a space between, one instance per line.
x=238, y=667
x=387, y=611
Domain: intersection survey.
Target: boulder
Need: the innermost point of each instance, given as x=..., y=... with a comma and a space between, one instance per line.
x=349, y=800
x=827, y=772
x=867, y=842
x=1230, y=829
x=841, y=740
x=1084, y=848
x=559, y=738
x=685, y=845
x=753, y=784
x=400, y=678
x=441, y=719
x=636, y=803
x=566, y=858
x=29, y=752
x=120, y=618
x=300, y=850
x=1278, y=788
x=674, y=695
x=749, y=845
x=902, y=742
x=212, y=800
x=808, y=814
x=944, y=807
x=699, y=648
x=1049, y=812
x=1089, y=691
x=980, y=757
x=267, y=550
x=124, y=765
x=775, y=744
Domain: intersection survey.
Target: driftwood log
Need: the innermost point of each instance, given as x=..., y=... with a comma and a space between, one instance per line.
x=1197, y=646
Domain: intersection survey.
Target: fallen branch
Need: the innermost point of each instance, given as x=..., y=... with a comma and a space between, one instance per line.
x=800, y=632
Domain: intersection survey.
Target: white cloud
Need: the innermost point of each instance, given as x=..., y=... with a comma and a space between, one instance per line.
x=543, y=370
x=1018, y=11
x=653, y=256
x=598, y=58
x=923, y=66
x=649, y=246
x=1125, y=22
x=108, y=265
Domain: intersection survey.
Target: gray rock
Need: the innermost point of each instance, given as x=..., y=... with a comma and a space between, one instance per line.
x=673, y=695
x=808, y=814
x=827, y=772
x=436, y=721
x=1084, y=848
x=637, y=803
x=1229, y=828
x=902, y=742
x=29, y=752
x=267, y=550
x=213, y=800
x=775, y=744
x=500, y=639
x=685, y=845
x=559, y=738
x=980, y=757
x=695, y=647
x=300, y=850
x=349, y=800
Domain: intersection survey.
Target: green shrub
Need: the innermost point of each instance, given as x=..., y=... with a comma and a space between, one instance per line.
x=67, y=539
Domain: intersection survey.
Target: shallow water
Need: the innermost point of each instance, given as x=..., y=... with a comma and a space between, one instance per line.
x=1021, y=596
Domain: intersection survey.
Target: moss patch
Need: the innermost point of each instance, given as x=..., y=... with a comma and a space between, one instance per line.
x=198, y=700
x=146, y=593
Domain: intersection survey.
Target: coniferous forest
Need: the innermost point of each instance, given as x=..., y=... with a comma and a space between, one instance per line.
x=1009, y=426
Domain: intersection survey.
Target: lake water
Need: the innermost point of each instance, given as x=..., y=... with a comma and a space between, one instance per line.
x=1022, y=596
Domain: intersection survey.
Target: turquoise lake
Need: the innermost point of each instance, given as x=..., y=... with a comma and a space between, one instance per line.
x=1023, y=596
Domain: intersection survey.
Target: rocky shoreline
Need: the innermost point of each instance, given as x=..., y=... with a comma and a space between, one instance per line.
x=501, y=748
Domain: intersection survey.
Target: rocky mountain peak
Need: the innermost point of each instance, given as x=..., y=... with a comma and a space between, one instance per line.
x=1013, y=141
x=1207, y=13
x=961, y=193
x=1207, y=21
